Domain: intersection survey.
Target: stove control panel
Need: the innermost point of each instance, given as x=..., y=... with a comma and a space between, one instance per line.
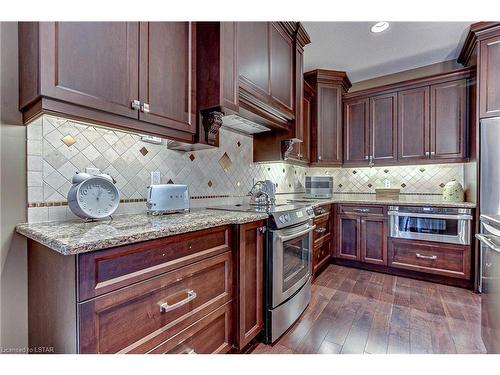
x=292, y=217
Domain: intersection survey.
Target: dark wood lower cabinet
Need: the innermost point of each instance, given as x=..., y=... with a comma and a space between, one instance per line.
x=374, y=240
x=249, y=261
x=348, y=236
x=198, y=292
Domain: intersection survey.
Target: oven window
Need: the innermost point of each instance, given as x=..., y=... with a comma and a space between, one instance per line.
x=295, y=261
x=448, y=227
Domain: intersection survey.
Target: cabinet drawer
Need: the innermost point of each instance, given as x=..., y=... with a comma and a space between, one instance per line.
x=103, y=271
x=138, y=318
x=210, y=335
x=323, y=229
x=321, y=255
x=361, y=210
x=323, y=209
x=431, y=257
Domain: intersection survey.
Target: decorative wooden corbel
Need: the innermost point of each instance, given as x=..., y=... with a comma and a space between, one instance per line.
x=212, y=121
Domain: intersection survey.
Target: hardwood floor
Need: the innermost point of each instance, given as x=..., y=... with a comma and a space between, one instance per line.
x=358, y=311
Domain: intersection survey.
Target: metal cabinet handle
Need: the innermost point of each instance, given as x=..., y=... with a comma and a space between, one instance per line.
x=361, y=209
x=189, y=351
x=433, y=153
x=320, y=230
x=426, y=153
x=488, y=242
x=135, y=104
x=319, y=157
x=145, y=108
x=370, y=164
x=262, y=229
x=366, y=157
x=430, y=257
x=320, y=211
x=165, y=307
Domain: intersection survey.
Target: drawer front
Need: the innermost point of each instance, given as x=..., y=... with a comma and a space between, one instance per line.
x=138, y=318
x=103, y=271
x=323, y=209
x=212, y=334
x=321, y=255
x=436, y=258
x=323, y=229
x=362, y=210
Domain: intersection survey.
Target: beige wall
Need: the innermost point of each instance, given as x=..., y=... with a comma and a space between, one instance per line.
x=423, y=71
x=13, y=270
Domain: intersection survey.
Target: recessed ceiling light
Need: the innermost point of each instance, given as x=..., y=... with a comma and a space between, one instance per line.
x=379, y=27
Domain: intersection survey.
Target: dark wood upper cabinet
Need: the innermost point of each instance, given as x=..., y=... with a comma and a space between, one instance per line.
x=282, y=55
x=134, y=76
x=413, y=124
x=253, y=55
x=167, y=70
x=489, y=77
x=383, y=129
x=448, y=126
x=356, y=132
x=102, y=73
x=326, y=119
x=249, y=260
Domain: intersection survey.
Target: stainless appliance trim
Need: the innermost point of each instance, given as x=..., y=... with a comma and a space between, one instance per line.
x=278, y=238
x=463, y=226
x=487, y=240
x=283, y=316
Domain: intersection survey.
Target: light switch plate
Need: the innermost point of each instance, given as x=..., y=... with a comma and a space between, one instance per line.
x=155, y=177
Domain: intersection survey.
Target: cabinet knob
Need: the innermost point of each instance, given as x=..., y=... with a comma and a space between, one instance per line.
x=145, y=108
x=319, y=157
x=135, y=104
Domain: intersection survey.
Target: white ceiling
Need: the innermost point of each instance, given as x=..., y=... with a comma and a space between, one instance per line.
x=351, y=47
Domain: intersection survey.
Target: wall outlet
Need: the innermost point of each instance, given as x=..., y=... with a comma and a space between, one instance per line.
x=155, y=177
x=93, y=171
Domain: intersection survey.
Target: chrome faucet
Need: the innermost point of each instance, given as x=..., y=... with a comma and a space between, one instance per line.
x=260, y=197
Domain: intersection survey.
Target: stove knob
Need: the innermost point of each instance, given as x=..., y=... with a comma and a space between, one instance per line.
x=281, y=218
x=287, y=217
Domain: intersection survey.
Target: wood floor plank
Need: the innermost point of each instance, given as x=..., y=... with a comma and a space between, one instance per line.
x=358, y=311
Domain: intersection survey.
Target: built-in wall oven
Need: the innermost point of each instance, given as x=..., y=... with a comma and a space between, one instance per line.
x=288, y=269
x=440, y=224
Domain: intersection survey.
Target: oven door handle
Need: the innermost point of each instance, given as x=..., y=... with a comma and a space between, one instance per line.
x=430, y=216
x=488, y=242
x=289, y=237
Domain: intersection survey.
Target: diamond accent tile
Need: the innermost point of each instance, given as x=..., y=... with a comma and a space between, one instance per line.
x=238, y=143
x=68, y=140
x=403, y=185
x=442, y=185
x=144, y=151
x=370, y=185
x=422, y=169
x=225, y=162
x=191, y=157
x=210, y=183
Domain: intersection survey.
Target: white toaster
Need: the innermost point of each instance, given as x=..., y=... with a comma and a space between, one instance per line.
x=167, y=198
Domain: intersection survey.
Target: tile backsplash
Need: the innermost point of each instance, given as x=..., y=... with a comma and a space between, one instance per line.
x=58, y=147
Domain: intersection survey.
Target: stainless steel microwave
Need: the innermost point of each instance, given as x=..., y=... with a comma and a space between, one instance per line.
x=319, y=186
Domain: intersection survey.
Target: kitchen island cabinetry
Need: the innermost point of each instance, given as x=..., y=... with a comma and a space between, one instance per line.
x=197, y=292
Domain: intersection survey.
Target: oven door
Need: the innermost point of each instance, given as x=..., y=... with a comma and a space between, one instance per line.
x=292, y=248
x=431, y=227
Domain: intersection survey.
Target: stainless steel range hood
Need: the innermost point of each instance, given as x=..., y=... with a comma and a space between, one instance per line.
x=243, y=125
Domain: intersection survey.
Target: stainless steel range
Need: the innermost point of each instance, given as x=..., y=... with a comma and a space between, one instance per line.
x=287, y=268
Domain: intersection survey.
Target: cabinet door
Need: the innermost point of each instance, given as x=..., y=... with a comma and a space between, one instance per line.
x=374, y=240
x=253, y=55
x=167, y=74
x=282, y=56
x=306, y=125
x=413, y=124
x=249, y=280
x=383, y=128
x=356, y=132
x=449, y=120
x=328, y=125
x=92, y=64
x=489, y=77
x=348, y=234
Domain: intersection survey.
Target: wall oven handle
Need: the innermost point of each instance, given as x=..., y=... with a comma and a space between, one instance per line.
x=430, y=257
x=488, y=242
x=431, y=216
x=165, y=307
x=361, y=209
x=289, y=237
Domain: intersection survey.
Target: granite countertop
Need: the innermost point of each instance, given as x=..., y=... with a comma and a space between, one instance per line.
x=76, y=236
x=403, y=200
